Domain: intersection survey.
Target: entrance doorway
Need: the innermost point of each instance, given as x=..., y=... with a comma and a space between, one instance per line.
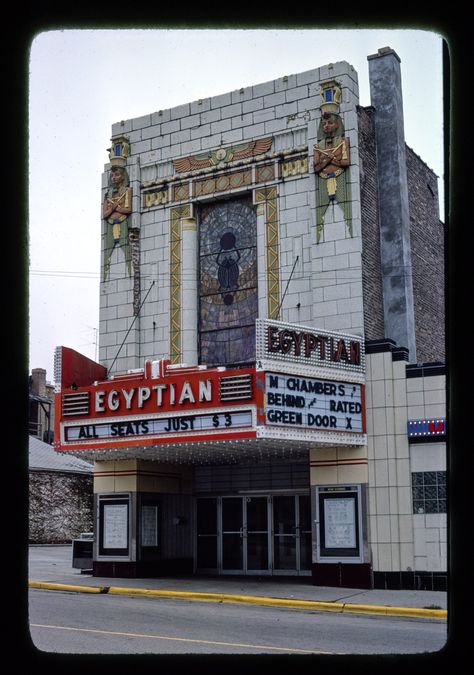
x=259, y=534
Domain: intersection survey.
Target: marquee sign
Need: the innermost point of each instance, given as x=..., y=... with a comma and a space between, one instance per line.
x=308, y=403
x=307, y=387
x=158, y=404
x=157, y=427
x=305, y=350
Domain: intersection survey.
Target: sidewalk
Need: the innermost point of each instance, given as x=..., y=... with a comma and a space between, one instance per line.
x=51, y=567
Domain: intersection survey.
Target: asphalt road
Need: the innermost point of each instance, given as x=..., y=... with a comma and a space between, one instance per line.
x=68, y=623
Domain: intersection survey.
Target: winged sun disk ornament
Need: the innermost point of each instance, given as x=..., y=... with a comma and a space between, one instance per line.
x=223, y=155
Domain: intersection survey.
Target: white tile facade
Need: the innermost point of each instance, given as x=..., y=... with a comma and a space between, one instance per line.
x=399, y=539
x=326, y=287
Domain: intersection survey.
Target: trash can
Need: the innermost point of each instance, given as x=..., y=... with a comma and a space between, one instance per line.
x=82, y=551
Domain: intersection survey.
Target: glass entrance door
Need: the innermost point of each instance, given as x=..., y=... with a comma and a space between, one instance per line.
x=254, y=534
x=245, y=535
x=232, y=512
x=284, y=533
x=291, y=534
x=207, y=534
x=304, y=530
x=257, y=535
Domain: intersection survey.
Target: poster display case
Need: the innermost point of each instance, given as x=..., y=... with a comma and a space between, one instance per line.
x=113, y=525
x=340, y=514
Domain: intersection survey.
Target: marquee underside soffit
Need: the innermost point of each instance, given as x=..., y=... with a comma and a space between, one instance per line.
x=230, y=452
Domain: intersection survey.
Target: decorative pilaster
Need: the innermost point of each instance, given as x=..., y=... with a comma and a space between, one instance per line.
x=269, y=197
x=177, y=214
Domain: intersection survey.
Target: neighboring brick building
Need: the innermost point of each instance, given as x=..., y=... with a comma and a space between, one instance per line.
x=60, y=495
x=428, y=237
x=272, y=271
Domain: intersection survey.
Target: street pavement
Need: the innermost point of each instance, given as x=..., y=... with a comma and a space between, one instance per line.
x=78, y=623
x=52, y=565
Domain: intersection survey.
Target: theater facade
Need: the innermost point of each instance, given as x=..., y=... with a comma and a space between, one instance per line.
x=270, y=397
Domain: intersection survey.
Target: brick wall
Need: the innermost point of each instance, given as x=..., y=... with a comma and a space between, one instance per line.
x=60, y=506
x=427, y=257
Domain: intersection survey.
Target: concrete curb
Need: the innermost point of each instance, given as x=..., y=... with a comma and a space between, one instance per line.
x=314, y=605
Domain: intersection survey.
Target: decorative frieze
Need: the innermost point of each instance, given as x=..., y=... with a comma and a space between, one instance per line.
x=155, y=198
x=222, y=182
x=287, y=166
x=265, y=172
x=180, y=192
x=296, y=166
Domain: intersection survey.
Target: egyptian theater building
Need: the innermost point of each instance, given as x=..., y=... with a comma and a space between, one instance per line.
x=270, y=397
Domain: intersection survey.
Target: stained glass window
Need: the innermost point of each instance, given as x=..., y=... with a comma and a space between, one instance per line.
x=228, y=298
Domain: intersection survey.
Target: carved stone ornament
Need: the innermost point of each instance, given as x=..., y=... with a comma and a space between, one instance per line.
x=116, y=209
x=331, y=155
x=222, y=156
x=119, y=151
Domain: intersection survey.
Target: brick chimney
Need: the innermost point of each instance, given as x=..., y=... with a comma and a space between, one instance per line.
x=394, y=225
x=38, y=381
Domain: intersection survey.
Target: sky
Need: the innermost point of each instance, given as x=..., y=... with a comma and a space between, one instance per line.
x=83, y=81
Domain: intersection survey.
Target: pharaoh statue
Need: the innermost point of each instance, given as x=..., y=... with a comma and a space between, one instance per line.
x=331, y=158
x=117, y=207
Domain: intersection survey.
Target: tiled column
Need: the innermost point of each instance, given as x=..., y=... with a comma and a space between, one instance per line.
x=390, y=517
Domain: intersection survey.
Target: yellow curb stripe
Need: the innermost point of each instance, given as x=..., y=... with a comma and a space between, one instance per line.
x=228, y=597
x=67, y=587
x=417, y=612
x=314, y=605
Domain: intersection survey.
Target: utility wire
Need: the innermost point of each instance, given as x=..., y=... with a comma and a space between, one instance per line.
x=312, y=275
x=287, y=284
x=131, y=325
